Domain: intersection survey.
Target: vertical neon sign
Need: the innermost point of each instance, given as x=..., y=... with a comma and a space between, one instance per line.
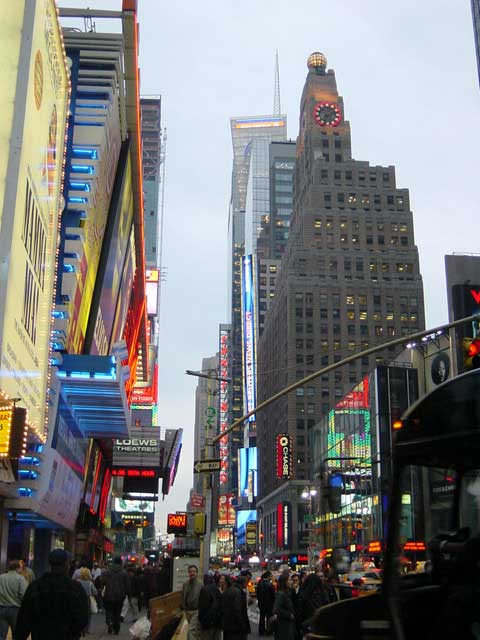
x=248, y=337
x=224, y=407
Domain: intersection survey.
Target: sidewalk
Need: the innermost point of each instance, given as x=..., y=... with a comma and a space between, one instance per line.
x=98, y=629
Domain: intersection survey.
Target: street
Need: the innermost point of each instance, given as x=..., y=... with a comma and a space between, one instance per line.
x=99, y=628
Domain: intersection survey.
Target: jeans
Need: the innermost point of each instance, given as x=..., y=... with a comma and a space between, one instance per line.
x=8, y=618
x=113, y=609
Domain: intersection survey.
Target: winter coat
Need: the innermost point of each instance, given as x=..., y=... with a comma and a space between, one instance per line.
x=210, y=607
x=285, y=628
x=235, y=622
x=116, y=583
x=54, y=607
x=265, y=595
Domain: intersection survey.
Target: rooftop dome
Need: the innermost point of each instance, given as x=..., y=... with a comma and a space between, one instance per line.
x=316, y=60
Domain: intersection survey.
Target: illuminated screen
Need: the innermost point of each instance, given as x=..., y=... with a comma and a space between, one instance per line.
x=118, y=264
x=177, y=523
x=247, y=462
x=244, y=516
x=248, y=337
x=151, y=284
x=349, y=428
x=122, y=506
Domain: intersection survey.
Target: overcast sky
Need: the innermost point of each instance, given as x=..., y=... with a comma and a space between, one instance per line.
x=407, y=73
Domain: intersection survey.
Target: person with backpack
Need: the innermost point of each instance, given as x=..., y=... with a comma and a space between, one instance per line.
x=210, y=609
x=116, y=587
x=54, y=607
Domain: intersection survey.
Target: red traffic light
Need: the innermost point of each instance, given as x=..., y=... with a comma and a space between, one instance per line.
x=473, y=348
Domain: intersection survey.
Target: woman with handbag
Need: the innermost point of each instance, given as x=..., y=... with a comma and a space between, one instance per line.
x=283, y=612
x=85, y=579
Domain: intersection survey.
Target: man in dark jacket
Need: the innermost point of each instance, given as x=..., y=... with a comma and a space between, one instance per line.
x=265, y=600
x=235, y=622
x=54, y=607
x=210, y=609
x=117, y=587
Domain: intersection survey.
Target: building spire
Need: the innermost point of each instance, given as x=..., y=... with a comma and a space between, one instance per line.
x=277, y=110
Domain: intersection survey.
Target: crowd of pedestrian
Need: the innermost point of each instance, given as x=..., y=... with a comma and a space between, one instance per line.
x=286, y=607
x=61, y=602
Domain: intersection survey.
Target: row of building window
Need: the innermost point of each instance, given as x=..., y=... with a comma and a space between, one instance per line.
x=329, y=224
x=350, y=299
x=355, y=239
x=307, y=328
x=348, y=176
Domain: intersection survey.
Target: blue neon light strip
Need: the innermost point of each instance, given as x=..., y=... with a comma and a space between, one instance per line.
x=92, y=154
x=79, y=186
x=27, y=474
x=249, y=364
x=77, y=200
x=83, y=168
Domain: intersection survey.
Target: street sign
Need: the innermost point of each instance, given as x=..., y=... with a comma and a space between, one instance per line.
x=206, y=466
x=197, y=501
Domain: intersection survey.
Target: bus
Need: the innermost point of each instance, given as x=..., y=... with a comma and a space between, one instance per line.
x=436, y=450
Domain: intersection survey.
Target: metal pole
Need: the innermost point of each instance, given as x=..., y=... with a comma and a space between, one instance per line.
x=367, y=352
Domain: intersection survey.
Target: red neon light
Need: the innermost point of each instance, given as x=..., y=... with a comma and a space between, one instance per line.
x=279, y=525
x=475, y=295
x=104, y=494
x=134, y=473
x=414, y=546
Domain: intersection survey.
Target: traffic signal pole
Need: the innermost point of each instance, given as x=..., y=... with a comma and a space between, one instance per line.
x=436, y=331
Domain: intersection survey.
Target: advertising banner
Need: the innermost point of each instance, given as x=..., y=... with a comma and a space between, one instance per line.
x=224, y=405
x=226, y=511
x=6, y=417
x=33, y=120
x=132, y=506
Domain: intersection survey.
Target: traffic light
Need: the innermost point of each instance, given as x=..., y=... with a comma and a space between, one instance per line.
x=199, y=524
x=471, y=353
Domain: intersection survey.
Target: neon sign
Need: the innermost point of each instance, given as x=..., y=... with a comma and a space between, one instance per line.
x=224, y=406
x=135, y=473
x=249, y=355
x=177, y=523
x=284, y=456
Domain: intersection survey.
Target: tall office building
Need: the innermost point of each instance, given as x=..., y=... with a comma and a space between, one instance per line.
x=349, y=279
x=275, y=228
x=206, y=414
x=249, y=207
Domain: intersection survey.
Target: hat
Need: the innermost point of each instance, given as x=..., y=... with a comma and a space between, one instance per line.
x=57, y=557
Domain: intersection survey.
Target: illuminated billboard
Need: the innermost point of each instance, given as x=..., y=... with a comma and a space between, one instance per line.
x=146, y=395
x=226, y=510
x=247, y=472
x=224, y=404
x=33, y=119
x=248, y=337
x=152, y=281
x=117, y=271
x=132, y=506
x=284, y=456
x=349, y=435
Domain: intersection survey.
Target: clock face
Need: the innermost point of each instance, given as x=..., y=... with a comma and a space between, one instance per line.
x=327, y=114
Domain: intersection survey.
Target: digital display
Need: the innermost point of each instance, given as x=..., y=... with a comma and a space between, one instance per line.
x=151, y=289
x=247, y=472
x=135, y=473
x=249, y=354
x=224, y=406
x=177, y=523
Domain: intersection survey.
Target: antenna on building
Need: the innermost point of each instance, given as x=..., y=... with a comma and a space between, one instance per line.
x=277, y=110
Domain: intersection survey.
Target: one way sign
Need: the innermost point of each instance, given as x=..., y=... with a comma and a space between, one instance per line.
x=206, y=466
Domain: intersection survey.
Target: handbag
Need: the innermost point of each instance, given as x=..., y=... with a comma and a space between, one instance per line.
x=271, y=624
x=93, y=605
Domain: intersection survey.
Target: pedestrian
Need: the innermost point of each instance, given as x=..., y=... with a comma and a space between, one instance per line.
x=313, y=594
x=116, y=584
x=85, y=579
x=222, y=583
x=235, y=622
x=283, y=612
x=26, y=572
x=12, y=588
x=190, y=594
x=96, y=575
x=54, y=606
x=265, y=600
x=210, y=609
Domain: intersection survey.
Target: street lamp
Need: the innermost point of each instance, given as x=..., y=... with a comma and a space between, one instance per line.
x=309, y=494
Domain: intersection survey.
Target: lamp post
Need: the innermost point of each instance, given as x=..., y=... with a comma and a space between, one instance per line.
x=309, y=494
x=208, y=453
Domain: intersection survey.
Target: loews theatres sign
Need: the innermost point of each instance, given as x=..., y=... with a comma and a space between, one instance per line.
x=145, y=449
